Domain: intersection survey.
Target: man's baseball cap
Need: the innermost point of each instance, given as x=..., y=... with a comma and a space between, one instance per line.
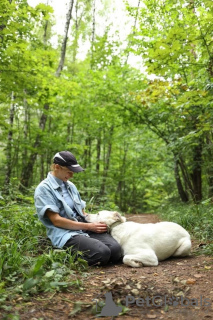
x=67, y=159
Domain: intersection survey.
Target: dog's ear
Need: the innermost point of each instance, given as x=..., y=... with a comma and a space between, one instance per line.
x=119, y=217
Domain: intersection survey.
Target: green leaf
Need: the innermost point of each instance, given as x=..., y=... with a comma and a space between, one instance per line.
x=39, y=263
x=30, y=283
x=76, y=309
x=49, y=273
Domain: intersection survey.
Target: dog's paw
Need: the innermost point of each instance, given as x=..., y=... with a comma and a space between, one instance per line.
x=139, y=264
x=132, y=263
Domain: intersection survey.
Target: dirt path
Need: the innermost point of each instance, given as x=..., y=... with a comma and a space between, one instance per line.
x=175, y=289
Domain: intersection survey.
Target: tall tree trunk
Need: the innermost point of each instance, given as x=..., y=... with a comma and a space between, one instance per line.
x=45, y=32
x=87, y=152
x=9, y=146
x=64, y=43
x=28, y=169
x=93, y=36
x=26, y=128
x=193, y=179
x=196, y=173
x=42, y=168
x=70, y=128
x=209, y=164
x=133, y=33
x=182, y=193
x=107, y=162
x=120, y=194
x=78, y=20
x=27, y=172
x=98, y=156
x=186, y=176
x=68, y=131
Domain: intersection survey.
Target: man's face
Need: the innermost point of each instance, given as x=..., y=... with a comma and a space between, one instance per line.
x=63, y=173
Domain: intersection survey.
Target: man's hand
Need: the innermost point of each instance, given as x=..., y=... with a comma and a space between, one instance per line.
x=97, y=227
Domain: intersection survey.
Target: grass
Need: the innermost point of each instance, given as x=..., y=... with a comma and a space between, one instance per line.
x=28, y=263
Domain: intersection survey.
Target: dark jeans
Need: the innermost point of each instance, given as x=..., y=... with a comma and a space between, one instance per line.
x=98, y=249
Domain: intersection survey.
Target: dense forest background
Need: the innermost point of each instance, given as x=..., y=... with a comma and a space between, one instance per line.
x=143, y=136
x=143, y=133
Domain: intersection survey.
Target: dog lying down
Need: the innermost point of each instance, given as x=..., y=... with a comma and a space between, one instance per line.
x=145, y=244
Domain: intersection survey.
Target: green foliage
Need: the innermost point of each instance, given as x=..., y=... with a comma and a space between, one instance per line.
x=88, y=111
x=174, y=40
x=135, y=136
x=100, y=107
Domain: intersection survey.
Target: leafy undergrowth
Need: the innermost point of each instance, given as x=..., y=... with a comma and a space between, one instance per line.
x=28, y=263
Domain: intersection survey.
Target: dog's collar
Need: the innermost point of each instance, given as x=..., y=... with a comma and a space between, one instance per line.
x=115, y=224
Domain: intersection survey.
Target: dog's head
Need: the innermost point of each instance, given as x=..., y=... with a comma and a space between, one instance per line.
x=108, y=217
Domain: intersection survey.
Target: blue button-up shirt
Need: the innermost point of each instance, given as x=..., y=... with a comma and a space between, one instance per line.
x=48, y=196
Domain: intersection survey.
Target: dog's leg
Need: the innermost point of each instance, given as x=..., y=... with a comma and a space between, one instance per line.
x=144, y=257
x=184, y=249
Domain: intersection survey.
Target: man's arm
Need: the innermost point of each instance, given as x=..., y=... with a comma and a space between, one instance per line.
x=64, y=223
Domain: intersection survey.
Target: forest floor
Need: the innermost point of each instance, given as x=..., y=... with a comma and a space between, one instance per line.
x=178, y=288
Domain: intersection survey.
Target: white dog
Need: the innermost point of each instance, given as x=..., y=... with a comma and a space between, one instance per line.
x=145, y=244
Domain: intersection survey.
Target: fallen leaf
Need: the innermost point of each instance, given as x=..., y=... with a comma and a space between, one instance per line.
x=139, y=286
x=135, y=292
x=207, y=268
x=19, y=299
x=190, y=281
x=176, y=280
x=106, y=281
x=179, y=294
x=198, y=275
x=127, y=287
x=151, y=316
x=95, y=284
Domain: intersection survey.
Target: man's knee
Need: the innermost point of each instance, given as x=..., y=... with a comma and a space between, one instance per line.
x=116, y=252
x=101, y=256
x=105, y=254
